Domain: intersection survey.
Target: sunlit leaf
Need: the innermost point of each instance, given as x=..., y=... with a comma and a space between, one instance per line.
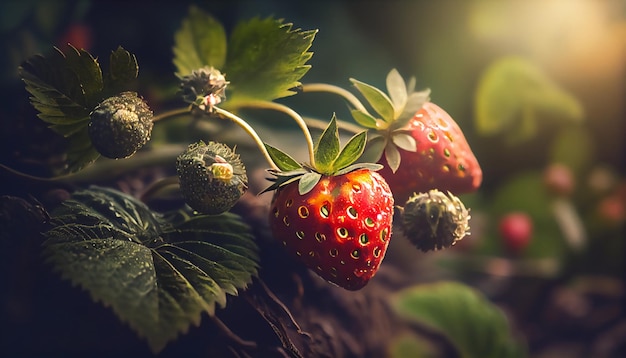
x=377, y=99
x=201, y=41
x=266, y=59
x=472, y=323
x=157, y=275
x=411, y=345
x=364, y=119
x=512, y=90
x=351, y=151
x=574, y=147
x=414, y=103
x=282, y=160
x=327, y=147
x=397, y=90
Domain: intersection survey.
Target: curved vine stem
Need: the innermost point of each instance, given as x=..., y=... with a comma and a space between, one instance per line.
x=293, y=114
x=328, y=88
x=250, y=131
x=171, y=114
x=107, y=168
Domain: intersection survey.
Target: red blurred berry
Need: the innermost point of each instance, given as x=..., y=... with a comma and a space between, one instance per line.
x=559, y=179
x=612, y=209
x=78, y=35
x=516, y=230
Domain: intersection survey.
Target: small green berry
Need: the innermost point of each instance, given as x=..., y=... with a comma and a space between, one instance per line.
x=433, y=221
x=212, y=177
x=120, y=125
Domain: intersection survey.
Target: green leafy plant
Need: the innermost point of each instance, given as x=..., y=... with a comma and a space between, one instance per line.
x=160, y=271
x=157, y=272
x=475, y=326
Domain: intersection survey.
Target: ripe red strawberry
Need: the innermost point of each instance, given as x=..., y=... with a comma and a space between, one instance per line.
x=442, y=158
x=334, y=217
x=340, y=229
x=423, y=147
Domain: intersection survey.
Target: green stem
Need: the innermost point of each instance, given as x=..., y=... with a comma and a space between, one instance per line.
x=157, y=186
x=171, y=114
x=293, y=114
x=251, y=132
x=107, y=168
x=325, y=87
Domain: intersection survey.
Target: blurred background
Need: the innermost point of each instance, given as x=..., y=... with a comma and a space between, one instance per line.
x=539, y=88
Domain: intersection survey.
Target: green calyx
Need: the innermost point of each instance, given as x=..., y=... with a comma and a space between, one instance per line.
x=393, y=110
x=329, y=159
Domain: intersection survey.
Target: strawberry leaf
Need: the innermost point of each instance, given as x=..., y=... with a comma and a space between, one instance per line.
x=364, y=119
x=89, y=74
x=308, y=181
x=475, y=326
x=123, y=68
x=351, y=151
x=158, y=275
x=513, y=90
x=282, y=160
x=327, y=148
x=404, y=141
x=377, y=99
x=266, y=59
x=201, y=41
x=80, y=151
x=64, y=88
x=392, y=155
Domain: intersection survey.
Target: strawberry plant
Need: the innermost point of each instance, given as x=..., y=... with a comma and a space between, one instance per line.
x=188, y=241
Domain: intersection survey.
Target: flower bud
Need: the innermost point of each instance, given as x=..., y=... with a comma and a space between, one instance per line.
x=205, y=88
x=120, y=125
x=433, y=221
x=212, y=177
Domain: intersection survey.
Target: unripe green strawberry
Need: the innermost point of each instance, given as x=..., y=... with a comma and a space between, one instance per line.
x=212, y=177
x=120, y=125
x=433, y=221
